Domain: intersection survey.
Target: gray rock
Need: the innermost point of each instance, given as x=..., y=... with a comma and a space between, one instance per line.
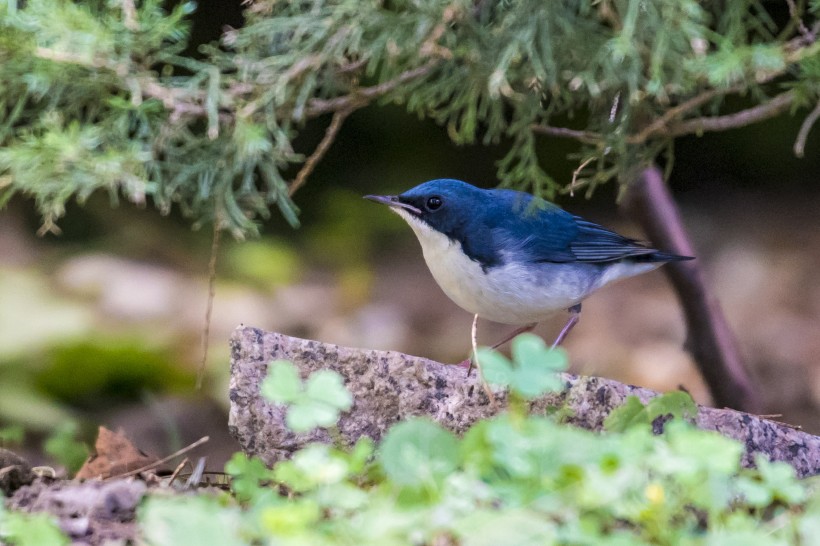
x=388, y=387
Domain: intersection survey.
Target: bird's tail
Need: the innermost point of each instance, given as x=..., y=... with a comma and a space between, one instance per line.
x=659, y=256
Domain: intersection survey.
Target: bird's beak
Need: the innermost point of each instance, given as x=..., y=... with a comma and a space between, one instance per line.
x=392, y=201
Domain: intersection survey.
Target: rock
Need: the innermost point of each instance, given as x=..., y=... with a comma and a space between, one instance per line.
x=15, y=472
x=388, y=387
x=94, y=512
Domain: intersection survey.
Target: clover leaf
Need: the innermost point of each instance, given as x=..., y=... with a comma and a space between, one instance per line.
x=531, y=373
x=316, y=402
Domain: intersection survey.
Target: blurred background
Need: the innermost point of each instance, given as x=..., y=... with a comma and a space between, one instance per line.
x=102, y=324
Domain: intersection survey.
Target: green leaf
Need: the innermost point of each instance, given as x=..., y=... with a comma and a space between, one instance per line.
x=283, y=384
x=65, y=448
x=534, y=378
x=533, y=371
x=317, y=403
x=495, y=367
x=313, y=466
x=530, y=350
x=30, y=529
x=360, y=454
x=12, y=435
x=418, y=452
x=328, y=386
x=201, y=520
x=306, y=415
x=536, y=366
x=709, y=450
x=631, y=412
x=679, y=404
x=780, y=481
x=294, y=518
x=247, y=475
x=514, y=526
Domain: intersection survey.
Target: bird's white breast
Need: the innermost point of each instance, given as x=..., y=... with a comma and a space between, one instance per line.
x=510, y=293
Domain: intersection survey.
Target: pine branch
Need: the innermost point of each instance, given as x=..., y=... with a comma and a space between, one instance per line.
x=587, y=137
x=364, y=96
x=762, y=112
x=495, y=73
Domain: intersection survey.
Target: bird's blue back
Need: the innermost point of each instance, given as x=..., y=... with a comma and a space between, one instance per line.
x=495, y=226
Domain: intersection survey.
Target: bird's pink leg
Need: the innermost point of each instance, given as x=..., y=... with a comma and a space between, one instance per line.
x=468, y=363
x=574, y=317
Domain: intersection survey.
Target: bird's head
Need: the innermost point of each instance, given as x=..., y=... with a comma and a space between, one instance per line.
x=444, y=205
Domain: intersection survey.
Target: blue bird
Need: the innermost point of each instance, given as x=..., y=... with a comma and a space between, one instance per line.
x=513, y=258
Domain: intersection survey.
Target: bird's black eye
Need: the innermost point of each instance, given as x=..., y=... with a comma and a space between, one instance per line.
x=433, y=203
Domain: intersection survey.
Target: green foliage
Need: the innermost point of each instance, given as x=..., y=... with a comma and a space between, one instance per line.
x=12, y=435
x=418, y=453
x=632, y=412
x=64, y=447
x=266, y=263
x=97, y=96
x=201, y=520
x=511, y=479
x=533, y=370
x=247, y=475
x=508, y=481
x=91, y=101
x=92, y=373
x=314, y=403
x=21, y=529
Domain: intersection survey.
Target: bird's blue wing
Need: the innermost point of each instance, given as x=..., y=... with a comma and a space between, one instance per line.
x=595, y=243
x=530, y=229
x=538, y=231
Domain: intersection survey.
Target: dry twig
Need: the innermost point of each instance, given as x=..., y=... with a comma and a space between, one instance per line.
x=209, y=307
x=320, y=151
x=773, y=108
x=164, y=460
x=805, y=128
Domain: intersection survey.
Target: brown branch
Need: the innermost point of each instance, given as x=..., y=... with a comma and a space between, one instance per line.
x=71, y=58
x=320, y=151
x=710, y=339
x=129, y=12
x=805, y=129
x=362, y=97
x=311, y=62
x=665, y=127
x=761, y=112
x=588, y=137
x=183, y=102
x=660, y=124
x=801, y=26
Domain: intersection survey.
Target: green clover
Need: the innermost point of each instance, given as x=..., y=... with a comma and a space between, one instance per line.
x=316, y=402
x=533, y=370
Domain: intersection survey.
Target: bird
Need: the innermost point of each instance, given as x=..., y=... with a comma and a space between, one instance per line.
x=511, y=257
